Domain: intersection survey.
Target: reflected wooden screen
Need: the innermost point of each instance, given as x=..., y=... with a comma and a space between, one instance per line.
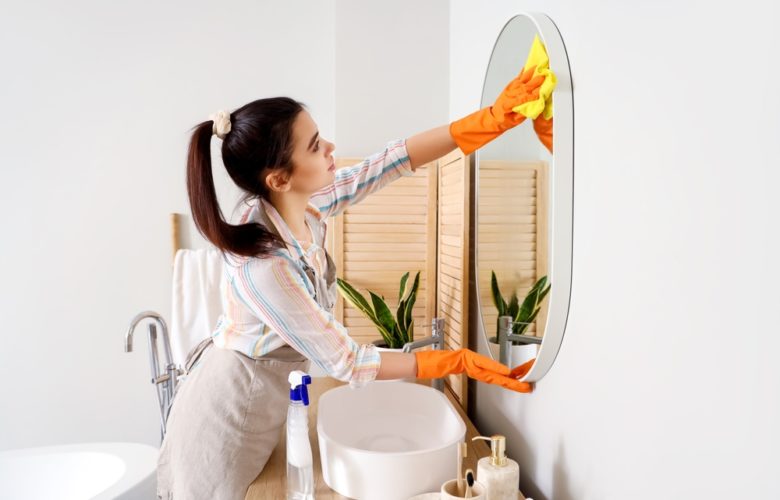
x=511, y=219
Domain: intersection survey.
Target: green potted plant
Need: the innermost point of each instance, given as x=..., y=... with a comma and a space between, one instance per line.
x=396, y=330
x=522, y=316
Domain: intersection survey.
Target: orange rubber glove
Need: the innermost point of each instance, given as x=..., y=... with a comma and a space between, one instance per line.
x=520, y=371
x=477, y=129
x=438, y=363
x=544, y=130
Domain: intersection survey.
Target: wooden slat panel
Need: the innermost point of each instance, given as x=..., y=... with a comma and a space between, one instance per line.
x=504, y=170
x=504, y=182
x=386, y=246
x=369, y=228
x=512, y=223
x=384, y=254
x=387, y=264
x=453, y=259
x=402, y=198
x=372, y=278
x=363, y=208
x=421, y=192
x=385, y=235
x=373, y=219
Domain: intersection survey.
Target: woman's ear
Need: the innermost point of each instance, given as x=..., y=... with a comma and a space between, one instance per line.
x=276, y=181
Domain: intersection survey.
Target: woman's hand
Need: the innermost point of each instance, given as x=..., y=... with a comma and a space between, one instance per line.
x=437, y=364
x=477, y=129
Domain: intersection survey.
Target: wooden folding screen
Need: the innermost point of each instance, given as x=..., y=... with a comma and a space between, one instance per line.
x=453, y=258
x=374, y=242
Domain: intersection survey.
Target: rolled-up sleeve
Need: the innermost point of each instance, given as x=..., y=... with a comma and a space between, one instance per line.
x=274, y=290
x=352, y=184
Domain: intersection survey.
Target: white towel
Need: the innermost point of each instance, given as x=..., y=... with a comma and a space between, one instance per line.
x=197, y=299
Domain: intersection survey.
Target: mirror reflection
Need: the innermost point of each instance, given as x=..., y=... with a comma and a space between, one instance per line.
x=512, y=207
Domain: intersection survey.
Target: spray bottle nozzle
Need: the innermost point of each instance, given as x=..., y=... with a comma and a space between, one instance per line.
x=298, y=381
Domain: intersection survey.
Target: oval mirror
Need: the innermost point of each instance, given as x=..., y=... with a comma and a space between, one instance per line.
x=523, y=210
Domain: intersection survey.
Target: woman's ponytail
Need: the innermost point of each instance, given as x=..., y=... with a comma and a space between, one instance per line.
x=259, y=137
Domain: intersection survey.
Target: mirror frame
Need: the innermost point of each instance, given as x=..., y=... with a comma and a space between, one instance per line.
x=561, y=222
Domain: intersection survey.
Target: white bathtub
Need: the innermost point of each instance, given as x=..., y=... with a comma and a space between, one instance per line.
x=125, y=471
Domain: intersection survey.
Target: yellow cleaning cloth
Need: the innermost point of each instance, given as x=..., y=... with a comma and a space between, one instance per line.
x=537, y=56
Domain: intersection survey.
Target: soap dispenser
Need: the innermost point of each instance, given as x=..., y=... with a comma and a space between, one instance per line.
x=499, y=474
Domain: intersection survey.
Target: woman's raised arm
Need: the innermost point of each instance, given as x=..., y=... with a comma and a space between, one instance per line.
x=429, y=145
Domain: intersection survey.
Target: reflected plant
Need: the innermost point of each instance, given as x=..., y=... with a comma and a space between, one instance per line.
x=522, y=314
x=395, y=330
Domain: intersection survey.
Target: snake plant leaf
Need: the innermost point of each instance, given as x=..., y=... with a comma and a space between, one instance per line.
x=540, y=285
x=533, y=299
x=528, y=307
x=544, y=293
x=411, y=300
x=498, y=300
x=526, y=322
x=542, y=281
x=403, y=286
x=387, y=338
x=408, y=309
x=539, y=300
x=355, y=298
x=415, y=287
x=400, y=314
x=383, y=314
x=514, y=307
x=397, y=337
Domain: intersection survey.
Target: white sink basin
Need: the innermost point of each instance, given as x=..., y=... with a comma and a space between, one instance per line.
x=387, y=440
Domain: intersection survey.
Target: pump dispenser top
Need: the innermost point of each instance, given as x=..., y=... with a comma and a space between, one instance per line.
x=499, y=474
x=497, y=449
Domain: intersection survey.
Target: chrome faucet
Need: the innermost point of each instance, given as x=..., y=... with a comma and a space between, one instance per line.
x=165, y=381
x=505, y=337
x=436, y=340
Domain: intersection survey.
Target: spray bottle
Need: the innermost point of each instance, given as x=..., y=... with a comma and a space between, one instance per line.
x=300, y=472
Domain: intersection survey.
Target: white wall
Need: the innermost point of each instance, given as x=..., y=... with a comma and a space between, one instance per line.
x=666, y=385
x=98, y=101
x=392, y=71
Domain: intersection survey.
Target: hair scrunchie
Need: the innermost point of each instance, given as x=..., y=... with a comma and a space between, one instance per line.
x=221, y=121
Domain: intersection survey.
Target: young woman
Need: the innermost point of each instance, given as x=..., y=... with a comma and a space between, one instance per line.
x=279, y=285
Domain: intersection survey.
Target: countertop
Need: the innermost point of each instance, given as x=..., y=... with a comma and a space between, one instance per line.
x=272, y=481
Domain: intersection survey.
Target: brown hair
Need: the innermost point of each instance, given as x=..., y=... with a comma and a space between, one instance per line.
x=260, y=140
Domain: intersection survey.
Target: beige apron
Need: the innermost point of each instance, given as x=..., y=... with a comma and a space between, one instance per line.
x=227, y=414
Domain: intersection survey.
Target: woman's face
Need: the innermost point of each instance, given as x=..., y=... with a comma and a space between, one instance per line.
x=312, y=158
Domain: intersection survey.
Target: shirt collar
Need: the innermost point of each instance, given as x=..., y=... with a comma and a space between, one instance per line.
x=272, y=215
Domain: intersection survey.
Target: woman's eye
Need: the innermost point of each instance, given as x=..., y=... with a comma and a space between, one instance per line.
x=317, y=146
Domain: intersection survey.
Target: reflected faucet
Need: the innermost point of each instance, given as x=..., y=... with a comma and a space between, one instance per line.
x=436, y=340
x=165, y=381
x=505, y=337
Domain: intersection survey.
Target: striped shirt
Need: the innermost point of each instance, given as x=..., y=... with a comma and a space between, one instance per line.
x=270, y=301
